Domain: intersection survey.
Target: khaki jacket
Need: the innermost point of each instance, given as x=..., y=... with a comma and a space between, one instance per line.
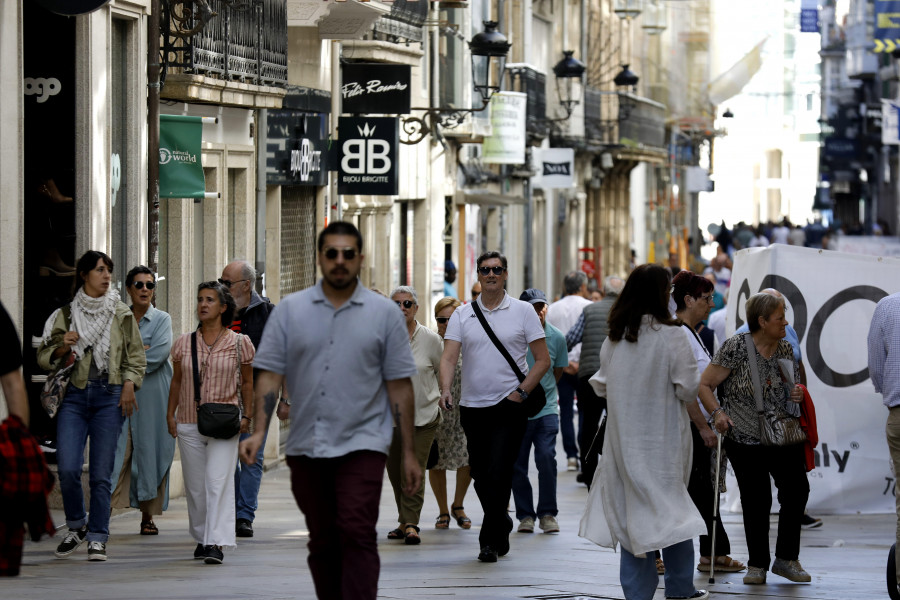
x=126, y=351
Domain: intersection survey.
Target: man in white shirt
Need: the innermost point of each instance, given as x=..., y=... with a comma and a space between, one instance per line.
x=563, y=314
x=491, y=410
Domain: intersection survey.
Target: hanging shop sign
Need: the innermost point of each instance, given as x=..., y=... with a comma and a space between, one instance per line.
x=555, y=168
x=506, y=144
x=375, y=88
x=890, y=122
x=368, y=156
x=809, y=16
x=180, y=165
x=71, y=8
x=296, y=148
x=887, y=26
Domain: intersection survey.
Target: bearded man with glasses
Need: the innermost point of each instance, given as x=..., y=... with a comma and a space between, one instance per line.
x=345, y=354
x=491, y=409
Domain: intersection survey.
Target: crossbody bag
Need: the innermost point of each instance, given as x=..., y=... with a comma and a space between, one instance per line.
x=217, y=419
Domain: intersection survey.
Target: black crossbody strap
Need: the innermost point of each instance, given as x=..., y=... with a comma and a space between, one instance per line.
x=500, y=347
x=196, y=370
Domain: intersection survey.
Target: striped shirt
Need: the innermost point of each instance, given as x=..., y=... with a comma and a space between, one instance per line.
x=218, y=371
x=884, y=349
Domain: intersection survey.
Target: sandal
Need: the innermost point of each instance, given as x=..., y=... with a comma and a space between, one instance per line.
x=149, y=528
x=443, y=521
x=461, y=520
x=412, y=537
x=396, y=534
x=724, y=564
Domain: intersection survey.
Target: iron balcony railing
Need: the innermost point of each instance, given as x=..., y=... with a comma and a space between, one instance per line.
x=533, y=83
x=243, y=40
x=405, y=21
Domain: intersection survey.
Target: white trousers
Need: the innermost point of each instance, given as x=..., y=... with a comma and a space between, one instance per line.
x=208, y=468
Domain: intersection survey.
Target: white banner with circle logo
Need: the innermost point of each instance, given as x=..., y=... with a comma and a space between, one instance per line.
x=831, y=297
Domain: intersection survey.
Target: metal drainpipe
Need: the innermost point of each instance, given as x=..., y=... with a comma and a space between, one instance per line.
x=153, y=136
x=261, y=140
x=335, y=113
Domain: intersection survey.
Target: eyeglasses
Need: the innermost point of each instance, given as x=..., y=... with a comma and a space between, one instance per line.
x=442, y=320
x=488, y=270
x=708, y=299
x=331, y=253
x=405, y=303
x=227, y=283
x=139, y=285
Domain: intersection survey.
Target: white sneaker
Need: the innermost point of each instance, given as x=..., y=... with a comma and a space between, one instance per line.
x=526, y=525
x=572, y=464
x=549, y=524
x=96, y=551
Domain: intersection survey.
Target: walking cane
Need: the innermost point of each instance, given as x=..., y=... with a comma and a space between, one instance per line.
x=716, y=519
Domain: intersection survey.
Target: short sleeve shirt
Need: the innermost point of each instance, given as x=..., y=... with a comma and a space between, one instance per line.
x=336, y=362
x=559, y=358
x=486, y=376
x=10, y=346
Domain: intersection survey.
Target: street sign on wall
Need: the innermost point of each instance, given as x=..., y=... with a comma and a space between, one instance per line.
x=375, y=88
x=367, y=156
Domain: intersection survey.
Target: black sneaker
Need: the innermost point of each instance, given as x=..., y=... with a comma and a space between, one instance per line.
x=199, y=552
x=96, y=551
x=214, y=555
x=243, y=528
x=70, y=543
x=808, y=522
x=487, y=554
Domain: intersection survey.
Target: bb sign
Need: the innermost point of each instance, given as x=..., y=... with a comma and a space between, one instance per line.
x=368, y=156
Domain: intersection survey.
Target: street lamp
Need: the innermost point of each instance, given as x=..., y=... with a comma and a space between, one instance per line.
x=569, y=81
x=488, y=51
x=627, y=9
x=654, y=20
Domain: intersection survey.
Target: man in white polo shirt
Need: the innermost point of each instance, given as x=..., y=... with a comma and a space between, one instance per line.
x=491, y=412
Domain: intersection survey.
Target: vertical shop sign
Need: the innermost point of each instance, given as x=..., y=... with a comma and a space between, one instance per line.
x=506, y=144
x=887, y=26
x=180, y=166
x=367, y=163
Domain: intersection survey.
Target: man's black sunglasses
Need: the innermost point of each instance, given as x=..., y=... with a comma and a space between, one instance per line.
x=405, y=303
x=332, y=253
x=442, y=320
x=139, y=285
x=487, y=270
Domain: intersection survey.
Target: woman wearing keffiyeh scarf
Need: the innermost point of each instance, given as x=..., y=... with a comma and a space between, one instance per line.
x=102, y=335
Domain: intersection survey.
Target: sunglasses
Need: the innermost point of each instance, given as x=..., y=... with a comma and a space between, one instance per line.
x=227, y=283
x=405, y=303
x=442, y=320
x=488, y=270
x=332, y=253
x=139, y=285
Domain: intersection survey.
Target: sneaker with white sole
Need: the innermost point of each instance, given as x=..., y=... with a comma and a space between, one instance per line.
x=214, y=555
x=808, y=522
x=549, y=524
x=96, y=551
x=697, y=595
x=70, y=543
x=572, y=464
x=755, y=576
x=526, y=525
x=790, y=569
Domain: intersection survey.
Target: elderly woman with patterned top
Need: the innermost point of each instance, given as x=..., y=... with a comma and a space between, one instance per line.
x=426, y=350
x=100, y=334
x=693, y=302
x=753, y=462
x=224, y=364
x=145, y=449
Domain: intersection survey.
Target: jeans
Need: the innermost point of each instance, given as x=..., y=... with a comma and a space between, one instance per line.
x=494, y=437
x=246, y=483
x=639, y=577
x=542, y=434
x=92, y=412
x=566, y=388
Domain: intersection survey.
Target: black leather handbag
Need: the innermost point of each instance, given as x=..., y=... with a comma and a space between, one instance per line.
x=537, y=398
x=215, y=419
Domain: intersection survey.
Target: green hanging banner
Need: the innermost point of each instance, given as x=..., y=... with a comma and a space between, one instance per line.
x=180, y=167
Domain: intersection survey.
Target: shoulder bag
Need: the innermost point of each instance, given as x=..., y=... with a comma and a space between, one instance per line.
x=537, y=398
x=775, y=428
x=54, y=390
x=216, y=419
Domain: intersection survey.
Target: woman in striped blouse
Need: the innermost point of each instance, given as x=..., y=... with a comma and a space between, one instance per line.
x=224, y=362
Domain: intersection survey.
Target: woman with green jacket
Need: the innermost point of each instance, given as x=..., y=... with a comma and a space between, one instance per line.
x=104, y=337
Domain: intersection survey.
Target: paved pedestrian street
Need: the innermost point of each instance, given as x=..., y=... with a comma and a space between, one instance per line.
x=846, y=558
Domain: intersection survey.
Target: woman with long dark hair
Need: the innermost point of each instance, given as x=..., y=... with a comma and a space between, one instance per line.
x=225, y=366
x=648, y=376
x=100, y=333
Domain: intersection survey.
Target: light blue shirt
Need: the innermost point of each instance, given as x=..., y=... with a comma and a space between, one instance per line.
x=449, y=290
x=559, y=357
x=336, y=362
x=789, y=334
x=884, y=349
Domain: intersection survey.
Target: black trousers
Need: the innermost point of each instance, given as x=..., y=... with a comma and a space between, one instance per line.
x=752, y=466
x=591, y=407
x=493, y=437
x=700, y=487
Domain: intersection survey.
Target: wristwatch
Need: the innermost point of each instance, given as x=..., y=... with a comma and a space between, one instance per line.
x=522, y=393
